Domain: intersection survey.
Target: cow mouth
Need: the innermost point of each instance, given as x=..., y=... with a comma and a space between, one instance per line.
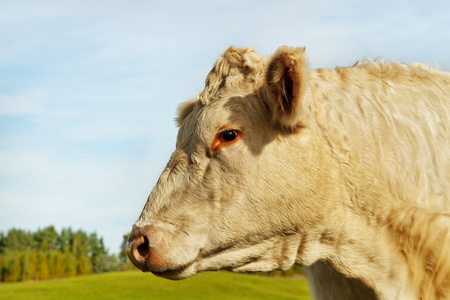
x=176, y=274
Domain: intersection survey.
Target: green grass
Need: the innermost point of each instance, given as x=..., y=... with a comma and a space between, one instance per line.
x=137, y=285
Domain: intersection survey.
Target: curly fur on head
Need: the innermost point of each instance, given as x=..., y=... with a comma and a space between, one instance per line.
x=240, y=68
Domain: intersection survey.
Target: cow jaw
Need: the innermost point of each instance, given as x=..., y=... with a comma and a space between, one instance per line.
x=277, y=252
x=271, y=254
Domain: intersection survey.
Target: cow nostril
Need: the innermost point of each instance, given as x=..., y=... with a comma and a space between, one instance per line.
x=138, y=251
x=143, y=248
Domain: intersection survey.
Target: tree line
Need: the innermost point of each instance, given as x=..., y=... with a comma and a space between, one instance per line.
x=47, y=254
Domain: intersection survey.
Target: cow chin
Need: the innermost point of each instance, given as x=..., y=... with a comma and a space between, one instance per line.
x=179, y=273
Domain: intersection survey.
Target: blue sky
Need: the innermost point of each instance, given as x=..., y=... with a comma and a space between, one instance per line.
x=89, y=89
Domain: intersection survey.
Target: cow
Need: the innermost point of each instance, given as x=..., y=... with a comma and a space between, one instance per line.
x=344, y=171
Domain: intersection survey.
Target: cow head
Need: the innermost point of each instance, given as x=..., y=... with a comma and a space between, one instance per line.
x=246, y=179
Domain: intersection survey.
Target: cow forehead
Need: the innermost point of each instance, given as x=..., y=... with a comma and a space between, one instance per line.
x=238, y=70
x=205, y=120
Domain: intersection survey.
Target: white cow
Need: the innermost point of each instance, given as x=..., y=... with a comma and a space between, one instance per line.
x=343, y=171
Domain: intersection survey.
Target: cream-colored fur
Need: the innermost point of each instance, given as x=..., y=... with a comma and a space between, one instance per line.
x=345, y=171
x=423, y=239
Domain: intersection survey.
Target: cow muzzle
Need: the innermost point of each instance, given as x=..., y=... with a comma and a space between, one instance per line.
x=147, y=248
x=142, y=251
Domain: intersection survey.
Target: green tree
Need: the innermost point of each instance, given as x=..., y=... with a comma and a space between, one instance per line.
x=3, y=245
x=127, y=264
x=80, y=244
x=33, y=265
x=19, y=240
x=43, y=269
x=100, y=264
x=96, y=251
x=65, y=239
x=115, y=264
x=59, y=265
x=84, y=266
x=108, y=263
x=95, y=245
x=12, y=268
x=122, y=254
x=47, y=238
x=51, y=258
x=1, y=268
x=25, y=265
x=70, y=264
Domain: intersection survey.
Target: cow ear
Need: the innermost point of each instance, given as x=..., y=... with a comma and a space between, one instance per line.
x=286, y=79
x=184, y=110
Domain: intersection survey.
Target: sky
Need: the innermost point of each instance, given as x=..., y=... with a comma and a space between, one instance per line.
x=89, y=89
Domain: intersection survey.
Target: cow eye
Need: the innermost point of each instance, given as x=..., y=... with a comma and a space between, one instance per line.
x=225, y=137
x=228, y=135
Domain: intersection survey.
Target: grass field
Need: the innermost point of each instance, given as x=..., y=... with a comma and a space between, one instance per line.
x=137, y=285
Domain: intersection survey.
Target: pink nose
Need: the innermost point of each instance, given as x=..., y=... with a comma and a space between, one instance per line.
x=142, y=255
